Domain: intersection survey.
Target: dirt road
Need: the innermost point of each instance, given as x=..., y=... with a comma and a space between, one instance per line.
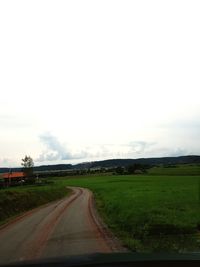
x=67, y=227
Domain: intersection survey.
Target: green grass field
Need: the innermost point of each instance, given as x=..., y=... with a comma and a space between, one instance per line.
x=182, y=169
x=149, y=213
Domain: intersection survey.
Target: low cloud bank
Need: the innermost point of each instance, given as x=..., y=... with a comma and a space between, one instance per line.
x=56, y=151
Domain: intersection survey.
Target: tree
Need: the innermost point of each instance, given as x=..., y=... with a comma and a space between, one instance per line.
x=137, y=168
x=28, y=164
x=131, y=169
x=119, y=170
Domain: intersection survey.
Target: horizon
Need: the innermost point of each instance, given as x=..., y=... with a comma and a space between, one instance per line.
x=108, y=159
x=87, y=81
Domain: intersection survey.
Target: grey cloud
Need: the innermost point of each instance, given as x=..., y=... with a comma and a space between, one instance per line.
x=55, y=150
x=48, y=156
x=54, y=145
x=131, y=149
x=140, y=146
x=178, y=152
x=153, y=149
x=159, y=151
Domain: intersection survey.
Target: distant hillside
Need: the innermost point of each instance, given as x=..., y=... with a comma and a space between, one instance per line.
x=115, y=163
x=146, y=161
x=58, y=167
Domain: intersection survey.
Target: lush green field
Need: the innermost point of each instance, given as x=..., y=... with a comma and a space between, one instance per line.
x=160, y=213
x=16, y=200
x=147, y=212
x=182, y=169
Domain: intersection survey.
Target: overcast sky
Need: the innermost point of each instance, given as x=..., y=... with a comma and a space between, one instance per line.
x=91, y=80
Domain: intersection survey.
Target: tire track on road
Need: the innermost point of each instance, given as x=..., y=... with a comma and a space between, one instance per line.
x=36, y=246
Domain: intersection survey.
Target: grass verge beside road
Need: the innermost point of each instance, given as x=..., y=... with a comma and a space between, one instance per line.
x=16, y=200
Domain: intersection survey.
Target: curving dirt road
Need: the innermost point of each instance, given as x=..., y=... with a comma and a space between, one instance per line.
x=66, y=227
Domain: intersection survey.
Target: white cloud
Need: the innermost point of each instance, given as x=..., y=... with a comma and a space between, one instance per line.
x=56, y=150
x=59, y=152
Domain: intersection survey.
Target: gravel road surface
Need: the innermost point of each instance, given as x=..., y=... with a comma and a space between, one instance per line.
x=63, y=228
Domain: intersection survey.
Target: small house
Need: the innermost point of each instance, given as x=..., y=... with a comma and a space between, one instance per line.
x=13, y=178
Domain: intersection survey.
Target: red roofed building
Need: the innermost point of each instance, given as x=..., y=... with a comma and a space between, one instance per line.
x=13, y=177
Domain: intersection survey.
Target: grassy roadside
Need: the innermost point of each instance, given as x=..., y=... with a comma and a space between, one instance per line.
x=14, y=201
x=160, y=213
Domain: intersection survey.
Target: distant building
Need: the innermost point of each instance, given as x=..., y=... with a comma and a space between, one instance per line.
x=13, y=177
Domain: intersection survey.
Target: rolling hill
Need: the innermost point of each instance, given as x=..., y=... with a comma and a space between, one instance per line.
x=115, y=163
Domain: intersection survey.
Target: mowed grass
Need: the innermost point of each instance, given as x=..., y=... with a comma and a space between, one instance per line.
x=148, y=213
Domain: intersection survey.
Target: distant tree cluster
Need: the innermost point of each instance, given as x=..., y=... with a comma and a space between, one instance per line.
x=132, y=169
